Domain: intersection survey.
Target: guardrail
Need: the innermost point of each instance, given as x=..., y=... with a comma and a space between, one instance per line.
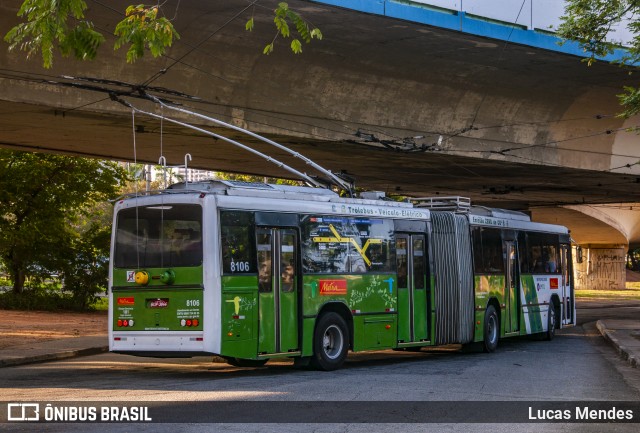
x=526, y=22
x=542, y=15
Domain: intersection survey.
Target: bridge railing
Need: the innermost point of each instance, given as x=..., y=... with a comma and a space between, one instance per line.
x=530, y=14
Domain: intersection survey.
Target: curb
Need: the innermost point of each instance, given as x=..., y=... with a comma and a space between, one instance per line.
x=11, y=362
x=622, y=350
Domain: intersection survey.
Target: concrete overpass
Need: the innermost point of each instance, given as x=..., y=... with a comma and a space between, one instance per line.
x=401, y=105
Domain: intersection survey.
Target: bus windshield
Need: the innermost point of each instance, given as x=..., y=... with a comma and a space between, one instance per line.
x=159, y=236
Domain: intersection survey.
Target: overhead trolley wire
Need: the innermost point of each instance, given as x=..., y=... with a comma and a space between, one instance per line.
x=275, y=161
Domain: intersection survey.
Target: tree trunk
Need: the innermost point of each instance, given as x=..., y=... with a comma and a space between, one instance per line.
x=18, y=279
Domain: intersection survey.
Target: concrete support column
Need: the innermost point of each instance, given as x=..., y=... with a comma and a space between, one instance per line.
x=602, y=268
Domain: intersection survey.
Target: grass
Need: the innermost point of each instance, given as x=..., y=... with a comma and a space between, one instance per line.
x=628, y=293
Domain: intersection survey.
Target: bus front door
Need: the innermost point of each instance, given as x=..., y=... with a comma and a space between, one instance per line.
x=512, y=289
x=277, y=290
x=412, y=288
x=567, y=285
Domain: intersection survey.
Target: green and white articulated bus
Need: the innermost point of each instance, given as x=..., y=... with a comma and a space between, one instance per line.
x=252, y=272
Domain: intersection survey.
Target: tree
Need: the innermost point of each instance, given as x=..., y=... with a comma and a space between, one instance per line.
x=46, y=204
x=61, y=24
x=84, y=269
x=589, y=22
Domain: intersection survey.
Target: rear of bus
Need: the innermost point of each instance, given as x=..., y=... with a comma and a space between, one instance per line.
x=156, y=276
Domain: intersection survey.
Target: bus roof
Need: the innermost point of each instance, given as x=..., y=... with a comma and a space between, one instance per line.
x=371, y=203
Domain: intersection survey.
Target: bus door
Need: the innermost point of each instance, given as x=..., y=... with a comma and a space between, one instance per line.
x=411, y=256
x=567, y=285
x=512, y=285
x=277, y=290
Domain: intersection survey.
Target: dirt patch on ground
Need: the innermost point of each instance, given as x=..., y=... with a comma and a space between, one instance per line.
x=19, y=327
x=632, y=277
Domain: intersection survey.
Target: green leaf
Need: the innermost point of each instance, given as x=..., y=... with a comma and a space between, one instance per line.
x=296, y=46
x=142, y=29
x=82, y=41
x=282, y=26
x=46, y=27
x=284, y=19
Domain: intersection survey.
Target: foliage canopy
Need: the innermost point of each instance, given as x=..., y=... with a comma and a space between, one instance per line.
x=61, y=24
x=53, y=219
x=589, y=22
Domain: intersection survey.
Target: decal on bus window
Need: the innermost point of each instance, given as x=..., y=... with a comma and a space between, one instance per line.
x=346, y=245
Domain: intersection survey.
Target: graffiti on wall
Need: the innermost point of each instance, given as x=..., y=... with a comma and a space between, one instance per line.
x=601, y=269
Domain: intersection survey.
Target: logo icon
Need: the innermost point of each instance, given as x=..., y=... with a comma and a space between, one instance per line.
x=131, y=276
x=333, y=287
x=236, y=304
x=23, y=412
x=126, y=301
x=159, y=303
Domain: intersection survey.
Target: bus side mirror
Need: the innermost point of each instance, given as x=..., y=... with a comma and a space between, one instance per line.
x=579, y=255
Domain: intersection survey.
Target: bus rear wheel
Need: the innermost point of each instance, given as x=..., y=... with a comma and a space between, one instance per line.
x=551, y=322
x=491, y=329
x=330, y=342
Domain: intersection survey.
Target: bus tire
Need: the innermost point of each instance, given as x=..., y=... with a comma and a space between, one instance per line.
x=330, y=342
x=240, y=362
x=551, y=322
x=491, y=329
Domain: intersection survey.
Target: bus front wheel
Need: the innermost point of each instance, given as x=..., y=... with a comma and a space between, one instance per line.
x=330, y=342
x=491, y=329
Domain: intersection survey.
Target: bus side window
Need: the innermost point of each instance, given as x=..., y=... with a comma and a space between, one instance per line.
x=487, y=251
x=237, y=242
x=401, y=259
x=523, y=254
x=265, y=273
x=543, y=253
x=478, y=261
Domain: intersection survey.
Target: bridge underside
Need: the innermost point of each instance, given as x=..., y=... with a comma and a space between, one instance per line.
x=403, y=108
x=487, y=181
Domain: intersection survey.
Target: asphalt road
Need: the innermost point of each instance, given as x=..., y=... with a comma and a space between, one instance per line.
x=576, y=366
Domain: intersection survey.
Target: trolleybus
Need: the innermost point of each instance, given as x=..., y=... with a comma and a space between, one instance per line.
x=252, y=272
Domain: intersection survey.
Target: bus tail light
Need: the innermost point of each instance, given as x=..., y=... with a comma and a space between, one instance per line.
x=125, y=323
x=189, y=322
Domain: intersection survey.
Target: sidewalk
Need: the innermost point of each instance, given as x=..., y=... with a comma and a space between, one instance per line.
x=36, y=336
x=624, y=335
x=50, y=350
x=30, y=337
